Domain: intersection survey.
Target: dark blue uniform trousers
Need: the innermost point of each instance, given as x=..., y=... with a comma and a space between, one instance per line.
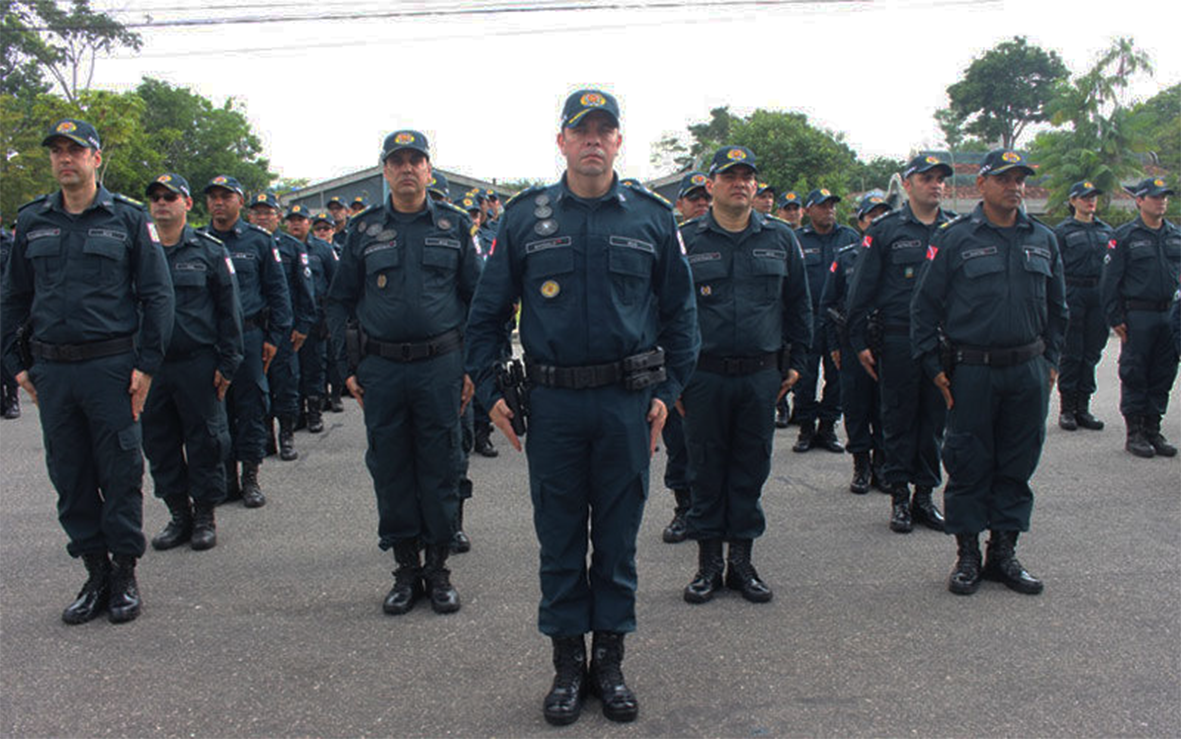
x=1147, y=364
x=588, y=460
x=804, y=391
x=729, y=429
x=1086, y=335
x=248, y=402
x=995, y=432
x=92, y=450
x=284, y=380
x=913, y=415
x=861, y=403
x=412, y=423
x=676, y=468
x=186, y=435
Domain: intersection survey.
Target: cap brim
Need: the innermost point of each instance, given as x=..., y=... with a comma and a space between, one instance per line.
x=76, y=139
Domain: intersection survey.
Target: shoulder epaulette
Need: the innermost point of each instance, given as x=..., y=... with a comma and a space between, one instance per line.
x=34, y=201
x=124, y=199
x=636, y=187
x=521, y=194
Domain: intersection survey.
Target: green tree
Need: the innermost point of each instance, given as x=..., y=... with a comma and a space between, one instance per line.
x=1002, y=92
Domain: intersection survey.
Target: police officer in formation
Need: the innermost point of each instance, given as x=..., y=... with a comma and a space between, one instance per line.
x=408, y=272
x=609, y=330
x=820, y=240
x=87, y=284
x=892, y=254
x=186, y=434
x=313, y=354
x=1083, y=239
x=266, y=320
x=755, y=316
x=993, y=283
x=860, y=401
x=1140, y=277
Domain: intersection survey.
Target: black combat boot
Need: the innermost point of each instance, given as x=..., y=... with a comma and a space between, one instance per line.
x=315, y=414
x=124, y=603
x=806, y=438
x=965, y=578
x=741, y=574
x=460, y=543
x=1159, y=443
x=437, y=577
x=93, y=597
x=1137, y=442
x=178, y=530
x=334, y=403
x=204, y=528
x=407, y=579
x=861, y=473
x=676, y=531
x=1067, y=407
x=826, y=437
x=563, y=703
x=606, y=677
x=287, y=438
x=1002, y=566
x=924, y=511
x=483, y=441
x=708, y=579
x=900, y=520
x=877, y=464
x=233, y=487
x=252, y=496
x=1082, y=414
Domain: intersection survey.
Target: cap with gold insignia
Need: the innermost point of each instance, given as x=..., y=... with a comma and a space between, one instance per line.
x=999, y=161
x=80, y=132
x=225, y=182
x=439, y=184
x=1084, y=189
x=694, y=180
x=399, y=140
x=299, y=211
x=1150, y=187
x=265, y=199
x=732, y=156
x=581, y=102
x=820, y=195
x=925, y=163
x=170, y=181
x=870, y=200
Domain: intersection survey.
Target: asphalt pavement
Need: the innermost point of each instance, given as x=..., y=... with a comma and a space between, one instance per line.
x=278, y=631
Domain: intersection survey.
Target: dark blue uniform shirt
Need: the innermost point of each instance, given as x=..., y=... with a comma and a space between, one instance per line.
x=259, y=268
x=208, y=310
x=1141, y=264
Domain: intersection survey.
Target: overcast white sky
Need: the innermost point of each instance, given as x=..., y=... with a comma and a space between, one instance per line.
x=487, y=89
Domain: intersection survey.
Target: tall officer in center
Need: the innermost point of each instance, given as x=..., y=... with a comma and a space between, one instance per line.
x=605, y=291
x=408, y=271
x=755, y=315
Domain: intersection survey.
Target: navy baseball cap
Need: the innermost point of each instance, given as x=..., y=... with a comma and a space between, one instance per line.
x=170, y=181
x=225, y=182
x=468, y=202
x=322, y=217
x=581, y=102
x=80, y=132
x=764, y=187
x=692, y=181
x=791, y=197
x=1150, y=187
x=871, y=200
x=732, y=156
x=925, y=163
x=337, y=200
x=406, y=139
x=999, y=161
x=266, y=198
x=299, y=211
x=1083, y=189
x=439, y=184
x=818, y=196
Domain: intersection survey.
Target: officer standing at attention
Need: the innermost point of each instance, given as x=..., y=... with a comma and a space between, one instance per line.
x=913, y=412
x=313, y=355
x=755, y=316
x=859, y=393
x=408, y=271
x=10, y=404
x=266, y=319
x=605, y=291
x=87, y=282
x=1140, y=275
x=1083, y=239
x=820, y=240
x=186, y=435
x=993, y=283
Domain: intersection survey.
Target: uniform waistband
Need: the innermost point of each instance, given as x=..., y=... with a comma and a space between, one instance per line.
x=81, y=352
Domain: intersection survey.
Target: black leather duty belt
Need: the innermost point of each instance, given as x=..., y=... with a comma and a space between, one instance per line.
x=416, y=352
x=1152, y=305
x=81, y=352
x=735, y=366
x=1006, y=357
x=635, y=372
